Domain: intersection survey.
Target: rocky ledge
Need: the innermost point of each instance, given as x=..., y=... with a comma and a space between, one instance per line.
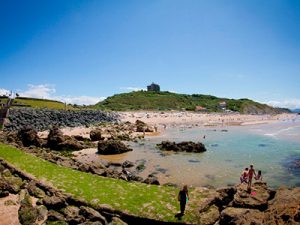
x=111, y=147
x=185, y=146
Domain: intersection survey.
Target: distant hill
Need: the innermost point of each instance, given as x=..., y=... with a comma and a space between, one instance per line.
x=144, y=100
x=296, y=110
x=36, y=103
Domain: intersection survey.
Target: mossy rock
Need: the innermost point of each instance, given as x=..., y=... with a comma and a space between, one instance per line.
x=27, y=213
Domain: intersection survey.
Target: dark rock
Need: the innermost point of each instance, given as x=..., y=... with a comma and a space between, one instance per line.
x=80, y=138
x=72, y=215
x=226, y=195
x=95, y=135
x=29, y=137
x=241, y=216
x=34, y=190
x=3, y=194
x=92, y=214
x=142, y=126
x=127, y=164
x=185, y=146
x=54, y=202
x=55, y=216
x=151, y=180
x=58, y=141
x=111, y=147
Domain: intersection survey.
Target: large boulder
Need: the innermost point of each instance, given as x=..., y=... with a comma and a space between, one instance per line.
x=257, y=198
x=285, y=207
x=151, y=179
x=95, y=135
x=54, y=202
x=111, y=147
x=185, y=146
x=240, y=216
x=142, y=126
x=29, y=136
x=92, y=214
x=57, y=141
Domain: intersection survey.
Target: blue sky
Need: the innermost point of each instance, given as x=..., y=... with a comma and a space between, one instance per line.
x=82, y=51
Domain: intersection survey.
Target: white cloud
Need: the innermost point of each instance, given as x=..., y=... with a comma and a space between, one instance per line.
x=133, y=88
x=4, y=92
x=46, y=91
x=39, y=91
x=287, y=103
x=81, y=100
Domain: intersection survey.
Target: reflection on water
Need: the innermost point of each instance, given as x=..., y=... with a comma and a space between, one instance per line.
x=226, y=156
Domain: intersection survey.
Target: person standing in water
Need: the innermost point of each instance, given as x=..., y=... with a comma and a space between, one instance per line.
x=183, y=197
x=250, y=176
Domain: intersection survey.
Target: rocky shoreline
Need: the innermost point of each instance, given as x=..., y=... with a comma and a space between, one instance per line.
x=229, y=205
x=39, y=203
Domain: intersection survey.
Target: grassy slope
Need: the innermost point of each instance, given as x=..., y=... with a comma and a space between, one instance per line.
x=37, y=103
x=141, y=100
x=157, y=202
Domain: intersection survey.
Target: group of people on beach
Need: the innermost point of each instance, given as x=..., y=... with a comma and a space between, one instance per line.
x=248, y=174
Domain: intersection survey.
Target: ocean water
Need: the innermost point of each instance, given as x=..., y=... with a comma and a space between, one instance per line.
x=271, y=148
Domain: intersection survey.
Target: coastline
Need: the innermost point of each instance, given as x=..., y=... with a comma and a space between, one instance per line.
x=227, y=147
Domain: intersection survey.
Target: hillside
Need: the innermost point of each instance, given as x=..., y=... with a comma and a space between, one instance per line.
x=36, y=103
x=144, y=100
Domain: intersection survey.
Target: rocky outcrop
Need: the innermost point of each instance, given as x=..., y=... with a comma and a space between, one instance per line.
x=29, y=136
x=284, y=208
x=111, y=147
x=185, y=146
x=151, y=179
x=142, y=126
x=43, y=119
x=241, y=216
x=55, y=207
x=257, y=198
x=95, y=135
x=57, y=141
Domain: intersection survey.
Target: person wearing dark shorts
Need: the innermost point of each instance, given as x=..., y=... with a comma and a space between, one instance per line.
x=183, y=197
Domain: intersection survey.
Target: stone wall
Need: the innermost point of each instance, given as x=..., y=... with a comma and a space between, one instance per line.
x=43, y=119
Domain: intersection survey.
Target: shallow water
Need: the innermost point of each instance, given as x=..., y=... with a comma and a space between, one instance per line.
x=271, y=148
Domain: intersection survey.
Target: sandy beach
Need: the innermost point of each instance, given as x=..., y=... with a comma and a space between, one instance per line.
x=165, y=119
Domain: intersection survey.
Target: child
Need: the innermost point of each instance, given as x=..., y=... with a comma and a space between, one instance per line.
x=250, y=176
x=258, y=176
x=244, y=176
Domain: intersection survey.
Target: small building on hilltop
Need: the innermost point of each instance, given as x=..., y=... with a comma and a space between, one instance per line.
x=153, y=87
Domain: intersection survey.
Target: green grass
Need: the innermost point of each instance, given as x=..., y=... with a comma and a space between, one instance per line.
x=36, y=103
x=156, y=202
x=145, y=100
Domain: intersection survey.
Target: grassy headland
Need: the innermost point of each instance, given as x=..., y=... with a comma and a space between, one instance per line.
x=145, y=100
